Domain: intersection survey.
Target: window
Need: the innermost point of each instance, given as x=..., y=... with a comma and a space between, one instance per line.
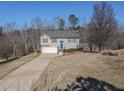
x=54, y=40
x=74, y=40
x=71, y=40
x=45, y=40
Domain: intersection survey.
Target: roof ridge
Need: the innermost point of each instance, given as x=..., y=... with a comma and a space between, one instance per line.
x=62, y=34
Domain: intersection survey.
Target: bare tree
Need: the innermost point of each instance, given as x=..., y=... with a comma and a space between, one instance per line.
x=24, y=37
x=1, y=30
x=60, y=23
x=5, y=46
x=117, y=40
x=103, y=24
x=37, y=25
x=9, y=28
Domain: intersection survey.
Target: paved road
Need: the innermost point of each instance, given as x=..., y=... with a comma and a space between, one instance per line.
x=23, y=77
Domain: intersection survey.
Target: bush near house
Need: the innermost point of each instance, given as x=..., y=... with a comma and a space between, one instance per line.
x=73, y=50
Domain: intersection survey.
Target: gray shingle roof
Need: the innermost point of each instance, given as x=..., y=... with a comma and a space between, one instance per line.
x=61, y=34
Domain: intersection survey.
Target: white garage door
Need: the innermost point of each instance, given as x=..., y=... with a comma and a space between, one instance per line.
x=49, y=50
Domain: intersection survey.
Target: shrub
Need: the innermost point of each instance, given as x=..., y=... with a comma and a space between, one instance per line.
x=110, y=53
x=73, y=50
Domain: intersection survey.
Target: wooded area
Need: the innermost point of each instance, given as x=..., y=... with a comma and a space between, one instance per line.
x=103, y=31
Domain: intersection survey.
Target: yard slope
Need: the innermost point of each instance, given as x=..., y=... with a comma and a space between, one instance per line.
x=63, y=70
x=7, y=67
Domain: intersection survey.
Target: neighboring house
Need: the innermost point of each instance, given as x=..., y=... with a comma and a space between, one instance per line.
x=54, y=41
x=84, y=46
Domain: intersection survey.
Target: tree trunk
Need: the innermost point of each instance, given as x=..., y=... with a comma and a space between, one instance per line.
x=7, y=58
x=91, y=48
x=100, y=48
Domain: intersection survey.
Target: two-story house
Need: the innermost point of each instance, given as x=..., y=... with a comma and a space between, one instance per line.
x=53, y=41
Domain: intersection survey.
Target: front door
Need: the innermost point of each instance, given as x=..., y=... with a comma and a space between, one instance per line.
x=61, y=45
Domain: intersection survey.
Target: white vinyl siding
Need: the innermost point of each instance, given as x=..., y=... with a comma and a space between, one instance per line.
x=54, y=40
x=71, y=40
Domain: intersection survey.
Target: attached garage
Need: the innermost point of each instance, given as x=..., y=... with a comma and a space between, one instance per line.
x=49, y=50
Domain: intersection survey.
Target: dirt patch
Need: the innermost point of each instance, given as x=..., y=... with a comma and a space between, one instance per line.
x=63, y=70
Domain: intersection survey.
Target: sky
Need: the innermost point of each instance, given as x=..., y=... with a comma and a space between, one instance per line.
x=24, y=11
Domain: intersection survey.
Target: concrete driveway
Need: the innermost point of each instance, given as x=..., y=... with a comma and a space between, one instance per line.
x=22, y=78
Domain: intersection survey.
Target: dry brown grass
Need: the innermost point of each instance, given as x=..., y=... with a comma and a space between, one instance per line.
x=63, y=70
x=6, y=68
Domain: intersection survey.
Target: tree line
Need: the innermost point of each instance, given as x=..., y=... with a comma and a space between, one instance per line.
x=103, y=31
x=16, y=42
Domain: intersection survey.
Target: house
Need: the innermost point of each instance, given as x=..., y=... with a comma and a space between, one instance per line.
x=55, y=41
x=84, y=46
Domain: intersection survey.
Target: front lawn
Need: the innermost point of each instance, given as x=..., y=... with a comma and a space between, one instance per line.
x=64, y=70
